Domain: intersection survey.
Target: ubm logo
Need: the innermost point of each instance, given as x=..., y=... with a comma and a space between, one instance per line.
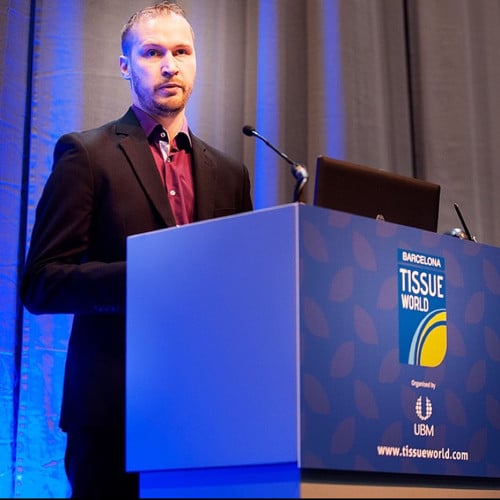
x=423, y=413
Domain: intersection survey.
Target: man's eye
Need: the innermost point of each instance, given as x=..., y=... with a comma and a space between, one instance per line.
x=151, y=53
x=182, y=52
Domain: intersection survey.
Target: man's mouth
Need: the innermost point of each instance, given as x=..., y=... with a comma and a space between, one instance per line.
x=170, y=86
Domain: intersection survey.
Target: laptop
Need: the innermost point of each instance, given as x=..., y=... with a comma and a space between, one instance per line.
x=376, y=193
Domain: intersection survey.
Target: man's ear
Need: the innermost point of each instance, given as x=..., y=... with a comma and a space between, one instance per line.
x=124, y=67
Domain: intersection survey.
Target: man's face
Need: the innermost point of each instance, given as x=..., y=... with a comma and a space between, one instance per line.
x=161, y=65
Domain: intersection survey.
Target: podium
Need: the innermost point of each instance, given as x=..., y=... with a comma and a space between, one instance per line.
x=297, y=338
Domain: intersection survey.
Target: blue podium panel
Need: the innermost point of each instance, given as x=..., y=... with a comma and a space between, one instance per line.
x=212, y=322
x=400, y=348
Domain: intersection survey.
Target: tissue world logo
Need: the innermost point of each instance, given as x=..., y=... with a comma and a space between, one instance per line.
x=422, y=309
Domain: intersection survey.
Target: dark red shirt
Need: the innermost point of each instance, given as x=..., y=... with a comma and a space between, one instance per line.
x=173, y=160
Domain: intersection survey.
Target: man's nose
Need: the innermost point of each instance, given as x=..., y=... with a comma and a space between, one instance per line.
x=169, y=64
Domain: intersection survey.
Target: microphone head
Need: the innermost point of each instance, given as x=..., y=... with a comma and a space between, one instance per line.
x=458, y=232
x=248, y=130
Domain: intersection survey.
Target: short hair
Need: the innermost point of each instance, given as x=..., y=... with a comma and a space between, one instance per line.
x=159, y=9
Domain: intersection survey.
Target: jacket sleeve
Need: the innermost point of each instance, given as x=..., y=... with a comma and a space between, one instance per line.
x=63, y=273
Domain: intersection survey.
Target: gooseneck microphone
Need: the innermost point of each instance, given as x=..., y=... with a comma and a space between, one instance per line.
x=461, y=232
x=298, y=171
x=464, y=225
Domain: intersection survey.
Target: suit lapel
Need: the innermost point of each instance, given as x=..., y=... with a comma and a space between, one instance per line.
x=204, y=173
x=136, y=148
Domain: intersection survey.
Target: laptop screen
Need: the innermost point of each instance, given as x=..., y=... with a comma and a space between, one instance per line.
x=371, y=192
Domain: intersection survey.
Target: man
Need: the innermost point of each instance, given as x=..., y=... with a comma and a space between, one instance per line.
x=143, y=172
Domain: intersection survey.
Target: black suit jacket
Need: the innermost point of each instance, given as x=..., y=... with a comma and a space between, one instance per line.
x=104, y=187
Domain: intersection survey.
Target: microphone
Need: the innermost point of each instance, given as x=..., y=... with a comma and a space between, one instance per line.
x=463, y=234
x=299, y=171
x=464, y=225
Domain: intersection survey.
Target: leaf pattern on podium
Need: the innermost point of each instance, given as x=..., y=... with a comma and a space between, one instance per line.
x=363, y=252
x=387, y=299
x=366, y=402
x=342, y=285
x=315, y=395
x=478, y=444
x=314, y=242
x=454, y=273
x=343, y=436
x=393, y=434
x=365, y=326
x=454, y=409
x=474, y=310
x=389, y=367
x=315, y=319
x=343, y=360
x=491, y=277
x=476, y=377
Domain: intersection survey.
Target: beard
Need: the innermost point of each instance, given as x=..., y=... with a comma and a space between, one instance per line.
x=159, y=105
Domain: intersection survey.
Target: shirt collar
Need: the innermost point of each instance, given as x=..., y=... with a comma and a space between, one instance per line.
x=149, y=125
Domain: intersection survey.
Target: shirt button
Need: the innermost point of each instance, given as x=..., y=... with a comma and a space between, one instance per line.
x=172, y=192
x=162, y=135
